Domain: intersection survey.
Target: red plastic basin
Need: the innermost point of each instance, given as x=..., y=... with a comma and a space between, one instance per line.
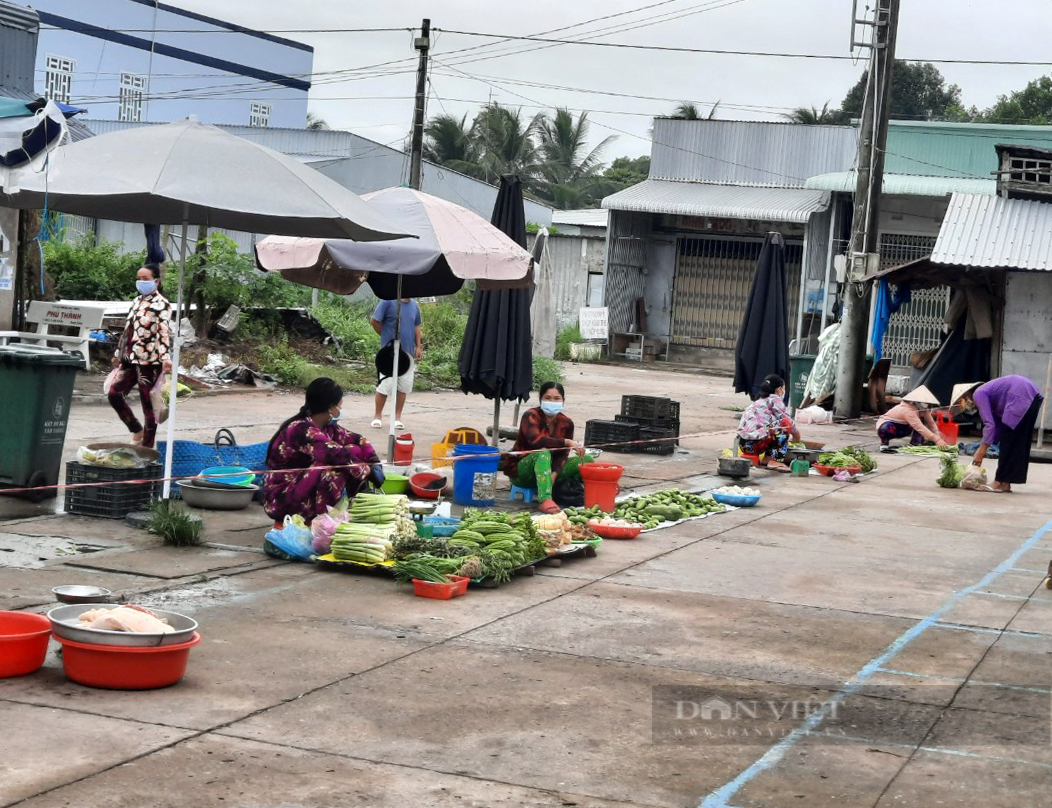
x=458, y=585
x=615, y=532
x=125, y=667
x=602, y=472
x=23, y=642
x=419, y=480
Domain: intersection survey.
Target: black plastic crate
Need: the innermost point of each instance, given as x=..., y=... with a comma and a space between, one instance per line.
x=658, y=441
x=649, y=407
x=613, y=436
x=654, y=423
x=111, y=501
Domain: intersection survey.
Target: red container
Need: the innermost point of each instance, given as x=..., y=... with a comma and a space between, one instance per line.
x=23, y=642
x=947, y=428
x=419, y=481
x=829, y=471
x=615, y=532
x=458, y=585
x=403, y=449
x=600, y=484
x=124, y=667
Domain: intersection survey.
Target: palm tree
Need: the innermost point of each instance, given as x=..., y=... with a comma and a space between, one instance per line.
x=449, y=142
x=812, y=117
x=316, y=122
x=504, y=143
x=569, y=172
x=687, y=111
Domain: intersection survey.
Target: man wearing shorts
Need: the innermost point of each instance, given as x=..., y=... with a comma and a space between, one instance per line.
x=383, y=323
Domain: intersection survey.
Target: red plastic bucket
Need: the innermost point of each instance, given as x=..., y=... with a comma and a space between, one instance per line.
x=600, y=484
x=125, y=667
x=947, y=428
x=403, y=449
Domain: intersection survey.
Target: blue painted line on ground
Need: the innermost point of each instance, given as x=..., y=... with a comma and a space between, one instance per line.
x=721, y=796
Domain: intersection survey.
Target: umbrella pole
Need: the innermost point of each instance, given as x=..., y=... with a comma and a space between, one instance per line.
x=496, y=421
x=173, y=394
x=394, y=373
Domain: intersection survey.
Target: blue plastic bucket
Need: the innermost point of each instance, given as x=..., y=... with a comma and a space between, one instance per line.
x=475, y=474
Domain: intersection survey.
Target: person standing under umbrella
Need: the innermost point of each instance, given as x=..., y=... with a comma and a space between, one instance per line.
x=383, y=321
x=143, y=354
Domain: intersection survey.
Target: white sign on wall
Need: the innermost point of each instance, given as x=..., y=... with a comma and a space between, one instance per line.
x=594, y=323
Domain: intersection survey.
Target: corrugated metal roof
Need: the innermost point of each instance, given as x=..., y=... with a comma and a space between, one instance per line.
x=15, y=15
x=582, y=217
x=763, y=153
x=993, y=232
x=907, y=184
x=724, y=201
x=963, y=150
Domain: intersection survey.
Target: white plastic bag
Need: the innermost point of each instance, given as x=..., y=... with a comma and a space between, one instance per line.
x=975, y=479
x=160, y=408
x=110, y=379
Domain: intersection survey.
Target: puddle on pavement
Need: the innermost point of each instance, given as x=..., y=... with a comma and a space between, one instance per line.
x=32, y=552
x=188, y=598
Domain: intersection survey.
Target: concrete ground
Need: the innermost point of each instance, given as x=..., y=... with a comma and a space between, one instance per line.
x=885, y=643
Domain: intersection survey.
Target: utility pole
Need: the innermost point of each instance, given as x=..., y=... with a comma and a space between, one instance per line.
x=416, y=148
x=416, y=156
x=863, y=257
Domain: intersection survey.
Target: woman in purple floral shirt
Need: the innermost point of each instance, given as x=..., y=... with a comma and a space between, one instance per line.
x=766, y=428
x=304, y=446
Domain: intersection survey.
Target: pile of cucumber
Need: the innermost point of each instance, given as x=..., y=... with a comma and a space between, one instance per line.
x=650, y=510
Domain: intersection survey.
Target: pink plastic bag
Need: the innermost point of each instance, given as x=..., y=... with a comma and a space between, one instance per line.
x=157, y=398
x=110, y=379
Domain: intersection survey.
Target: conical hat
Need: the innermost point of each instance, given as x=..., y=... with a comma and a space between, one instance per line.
x=962, y=389
x=921, y=395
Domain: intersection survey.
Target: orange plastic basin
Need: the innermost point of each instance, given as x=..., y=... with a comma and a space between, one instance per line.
x=23, y=642
x=125, y=667
x=601, y=472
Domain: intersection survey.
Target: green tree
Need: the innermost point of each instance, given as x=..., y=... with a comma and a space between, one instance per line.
x=918, y=93
x=814, y=117
x=569, y=173
x=626, y=171
x=449, y=142
x=317, y=123
x=1031, y=105
x=505, y=143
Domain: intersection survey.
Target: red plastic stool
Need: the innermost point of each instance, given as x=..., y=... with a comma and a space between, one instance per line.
x=754, y=459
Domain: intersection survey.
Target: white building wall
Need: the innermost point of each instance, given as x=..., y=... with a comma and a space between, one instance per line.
x=1027, y=339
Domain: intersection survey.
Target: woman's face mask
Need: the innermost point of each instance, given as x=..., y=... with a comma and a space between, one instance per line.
x=551, y=407
x=146, y=287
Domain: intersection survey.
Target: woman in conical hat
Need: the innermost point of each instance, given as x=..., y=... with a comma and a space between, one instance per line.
x=911, y=419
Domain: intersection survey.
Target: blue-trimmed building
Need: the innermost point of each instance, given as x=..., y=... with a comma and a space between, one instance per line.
x=141, y=60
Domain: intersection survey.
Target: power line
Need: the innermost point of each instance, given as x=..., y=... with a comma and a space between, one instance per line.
x=721, y=52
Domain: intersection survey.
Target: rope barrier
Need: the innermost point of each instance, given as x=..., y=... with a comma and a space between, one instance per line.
x=450, y=458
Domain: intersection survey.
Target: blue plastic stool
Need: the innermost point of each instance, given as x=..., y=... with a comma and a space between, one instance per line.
x=527, y=493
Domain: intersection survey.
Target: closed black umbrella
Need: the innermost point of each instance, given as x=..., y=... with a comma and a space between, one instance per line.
x=763, y=342
x=496, y=357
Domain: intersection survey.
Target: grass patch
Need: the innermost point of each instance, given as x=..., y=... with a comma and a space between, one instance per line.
x=176, y=526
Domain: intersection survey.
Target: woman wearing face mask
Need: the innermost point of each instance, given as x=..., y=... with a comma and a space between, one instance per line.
x=1009, y=407
x=765, y=428
x=302, y=449
x=552, y=455
x=142, y=354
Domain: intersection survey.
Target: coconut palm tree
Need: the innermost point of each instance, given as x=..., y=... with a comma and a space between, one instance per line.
x=449, y=142
x=505, y=143
x=687, y=111
x=316, y=122
x=569, y=171
x=813, y=117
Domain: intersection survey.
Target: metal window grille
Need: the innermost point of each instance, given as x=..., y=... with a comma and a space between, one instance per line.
x=625, y=282
x=918, y=325
x=259, y=115
x=712, y=284
x=130, y=101
x=58, y=78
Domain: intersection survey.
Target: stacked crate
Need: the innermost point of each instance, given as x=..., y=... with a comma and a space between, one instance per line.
x=658, y=420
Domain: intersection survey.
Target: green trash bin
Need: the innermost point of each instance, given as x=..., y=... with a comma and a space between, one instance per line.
x=800, y=366
x=36, y=390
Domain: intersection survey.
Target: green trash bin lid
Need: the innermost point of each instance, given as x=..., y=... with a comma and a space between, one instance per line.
x=37, y=355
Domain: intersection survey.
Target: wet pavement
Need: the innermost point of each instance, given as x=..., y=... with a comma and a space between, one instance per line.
x=900, y=631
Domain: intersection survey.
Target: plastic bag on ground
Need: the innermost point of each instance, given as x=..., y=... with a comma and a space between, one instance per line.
x=294, y=539
x=975, y=479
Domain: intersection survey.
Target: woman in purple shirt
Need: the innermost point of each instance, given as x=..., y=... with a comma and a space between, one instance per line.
x=1009, y=407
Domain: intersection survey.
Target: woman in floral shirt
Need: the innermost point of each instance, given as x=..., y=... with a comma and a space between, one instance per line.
x=766, y=428
x=142, y=354
x=303, y=450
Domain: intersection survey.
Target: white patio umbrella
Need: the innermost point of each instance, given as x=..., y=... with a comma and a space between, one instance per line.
x=195, y=173
x=454, y=245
